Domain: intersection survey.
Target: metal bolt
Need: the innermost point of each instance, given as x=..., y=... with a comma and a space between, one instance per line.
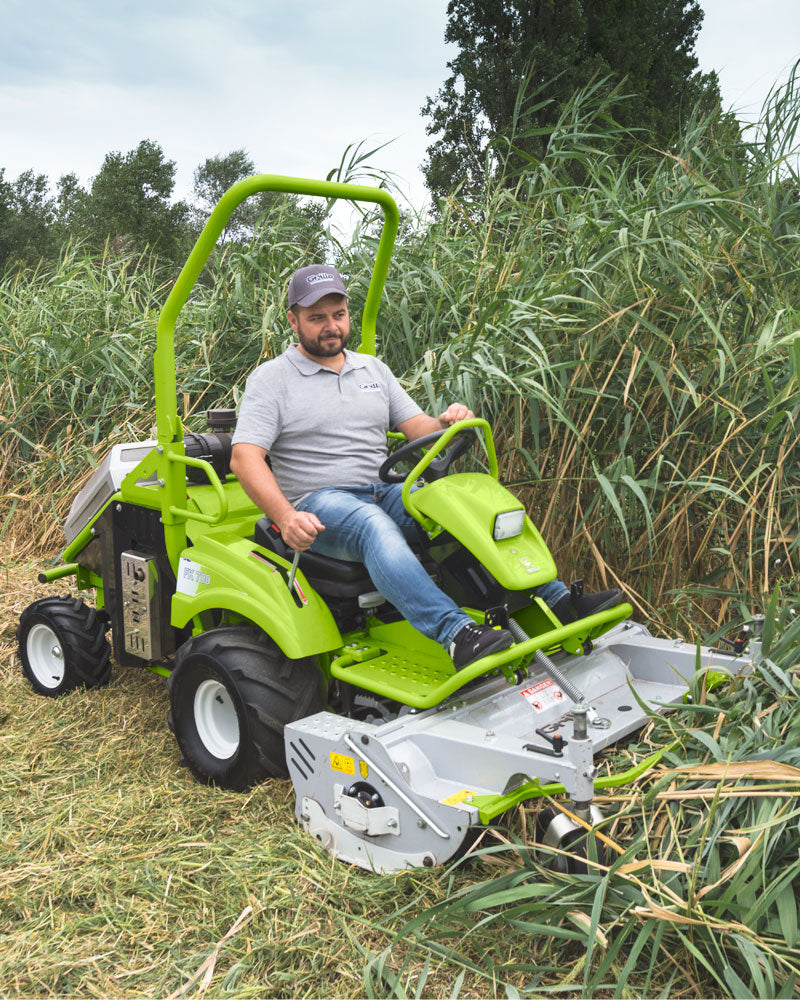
x=489, y=734
x=391, y=823
x=428, y=861
x=365, y=739
x=159, y=450
x=421, y=824
x=305, y=817
x=57, y=653
x=161, y=483
x=118, y=506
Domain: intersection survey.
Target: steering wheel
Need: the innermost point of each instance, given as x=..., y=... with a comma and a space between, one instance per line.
x=439, y=467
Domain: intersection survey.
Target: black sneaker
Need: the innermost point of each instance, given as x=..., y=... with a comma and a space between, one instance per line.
x=571, y=607
x=476, y=641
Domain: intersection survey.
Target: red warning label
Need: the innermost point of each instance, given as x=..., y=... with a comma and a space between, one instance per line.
x=543, y=695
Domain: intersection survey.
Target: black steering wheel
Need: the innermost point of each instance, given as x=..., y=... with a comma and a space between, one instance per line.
x=439, y=467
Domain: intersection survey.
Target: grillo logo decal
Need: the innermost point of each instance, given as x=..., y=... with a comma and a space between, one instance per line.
x=312, y=279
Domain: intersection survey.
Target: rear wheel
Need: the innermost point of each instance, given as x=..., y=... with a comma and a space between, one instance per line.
x=63, y=646
x=231, y=695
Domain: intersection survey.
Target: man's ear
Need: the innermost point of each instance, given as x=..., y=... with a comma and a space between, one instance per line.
x=292, y=320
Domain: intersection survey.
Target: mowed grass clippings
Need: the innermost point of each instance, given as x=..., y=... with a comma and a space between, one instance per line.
x=120, y=875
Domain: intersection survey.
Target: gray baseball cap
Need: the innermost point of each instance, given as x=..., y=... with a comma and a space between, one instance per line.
x=309, y=284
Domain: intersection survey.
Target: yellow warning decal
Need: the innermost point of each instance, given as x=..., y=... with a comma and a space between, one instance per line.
x=454, y=800
x=347, y=765
x=340, y=762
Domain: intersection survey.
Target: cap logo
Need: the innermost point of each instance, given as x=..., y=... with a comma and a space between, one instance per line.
x=312, y=279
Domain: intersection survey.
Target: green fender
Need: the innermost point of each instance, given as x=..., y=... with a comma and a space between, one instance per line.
x=226, y=571
x=466, y=504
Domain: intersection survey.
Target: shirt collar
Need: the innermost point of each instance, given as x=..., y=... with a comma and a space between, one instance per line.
x=308, y=367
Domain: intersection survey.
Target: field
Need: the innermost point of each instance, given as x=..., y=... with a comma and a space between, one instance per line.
x=629, y=325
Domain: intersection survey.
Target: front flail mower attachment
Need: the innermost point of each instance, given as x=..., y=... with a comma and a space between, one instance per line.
x=386, y=796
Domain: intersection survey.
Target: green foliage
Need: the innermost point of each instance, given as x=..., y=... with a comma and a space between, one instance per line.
x=129, y=203
x=631, y=337
x=519, y=63
x=27, y=213
x=268, y=210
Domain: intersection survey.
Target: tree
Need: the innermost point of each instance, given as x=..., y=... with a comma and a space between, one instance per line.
x=552, y=48
x=297, y=223
x=27, y=212
x=129, y=202
x=212, y=179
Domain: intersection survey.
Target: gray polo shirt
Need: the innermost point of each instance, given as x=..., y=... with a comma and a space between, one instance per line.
x=321, y=427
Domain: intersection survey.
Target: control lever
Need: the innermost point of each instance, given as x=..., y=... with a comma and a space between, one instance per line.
x=556, y=741
x=293, y=570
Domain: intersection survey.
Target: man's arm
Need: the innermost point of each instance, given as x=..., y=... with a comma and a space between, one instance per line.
x=422, y=424
x=299, y=528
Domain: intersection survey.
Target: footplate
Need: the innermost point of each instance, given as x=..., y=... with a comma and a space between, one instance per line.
x=398, y=662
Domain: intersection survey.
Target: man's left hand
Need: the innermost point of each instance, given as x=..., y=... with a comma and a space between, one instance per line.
x=454, y=413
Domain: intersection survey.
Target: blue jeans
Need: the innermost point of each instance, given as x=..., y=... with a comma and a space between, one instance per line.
x=370, y=525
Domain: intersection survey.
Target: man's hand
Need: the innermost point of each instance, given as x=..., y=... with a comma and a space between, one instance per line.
x=454, y=413
x=299, y=528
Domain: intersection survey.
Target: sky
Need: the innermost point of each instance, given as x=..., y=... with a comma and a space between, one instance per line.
x=294, y=82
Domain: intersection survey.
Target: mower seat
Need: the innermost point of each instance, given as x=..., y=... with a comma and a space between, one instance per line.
x=328, y=576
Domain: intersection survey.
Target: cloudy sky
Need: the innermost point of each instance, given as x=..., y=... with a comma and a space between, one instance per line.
x=292, y=81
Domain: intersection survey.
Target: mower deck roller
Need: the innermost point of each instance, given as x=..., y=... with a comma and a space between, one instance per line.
x=279, y=663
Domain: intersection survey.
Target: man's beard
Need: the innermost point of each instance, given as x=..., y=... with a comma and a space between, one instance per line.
x=322, y=350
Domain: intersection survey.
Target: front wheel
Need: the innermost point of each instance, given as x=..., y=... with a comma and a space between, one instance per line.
x=232, y=692
x=63, y=645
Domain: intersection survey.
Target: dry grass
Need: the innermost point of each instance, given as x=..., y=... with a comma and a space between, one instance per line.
x=121, y=876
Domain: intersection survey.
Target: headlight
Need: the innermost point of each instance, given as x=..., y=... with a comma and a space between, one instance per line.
x=509, y=524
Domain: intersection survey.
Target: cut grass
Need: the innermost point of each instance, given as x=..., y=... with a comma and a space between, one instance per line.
x=120, y=875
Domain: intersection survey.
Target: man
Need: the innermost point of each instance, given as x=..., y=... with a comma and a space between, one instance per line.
x=322, y=412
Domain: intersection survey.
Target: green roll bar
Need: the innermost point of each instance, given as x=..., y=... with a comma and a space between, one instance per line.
x=172, y=461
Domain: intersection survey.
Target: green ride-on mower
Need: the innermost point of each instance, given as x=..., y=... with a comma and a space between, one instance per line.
x=281, y=663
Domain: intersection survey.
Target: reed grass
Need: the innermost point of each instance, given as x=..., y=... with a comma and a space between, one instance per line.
x=633, y=337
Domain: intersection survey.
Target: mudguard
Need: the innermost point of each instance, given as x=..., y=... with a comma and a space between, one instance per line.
x=224, y=570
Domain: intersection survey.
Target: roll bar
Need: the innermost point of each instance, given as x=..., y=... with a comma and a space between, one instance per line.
x=168, y=426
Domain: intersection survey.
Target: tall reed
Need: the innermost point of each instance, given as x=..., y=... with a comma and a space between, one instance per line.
x=627, y=323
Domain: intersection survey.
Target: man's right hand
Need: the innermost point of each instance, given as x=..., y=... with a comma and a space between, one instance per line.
x=299, y=528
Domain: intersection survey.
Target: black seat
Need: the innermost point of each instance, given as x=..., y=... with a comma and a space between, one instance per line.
x=336, y=577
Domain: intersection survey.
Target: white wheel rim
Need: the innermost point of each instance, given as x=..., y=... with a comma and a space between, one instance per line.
x=45, y=656
x=216, y=719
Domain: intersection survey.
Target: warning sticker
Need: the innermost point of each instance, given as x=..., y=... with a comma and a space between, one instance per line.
x=347, y=765
x=457, y=797
x=543, y=695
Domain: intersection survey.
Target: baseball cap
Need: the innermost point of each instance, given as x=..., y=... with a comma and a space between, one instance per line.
x=309, y=284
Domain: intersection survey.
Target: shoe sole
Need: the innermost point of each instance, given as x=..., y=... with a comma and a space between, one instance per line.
x=612, y=602
x=500, y=643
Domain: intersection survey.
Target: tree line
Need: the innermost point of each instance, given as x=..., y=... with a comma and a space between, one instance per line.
x=129, y=205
